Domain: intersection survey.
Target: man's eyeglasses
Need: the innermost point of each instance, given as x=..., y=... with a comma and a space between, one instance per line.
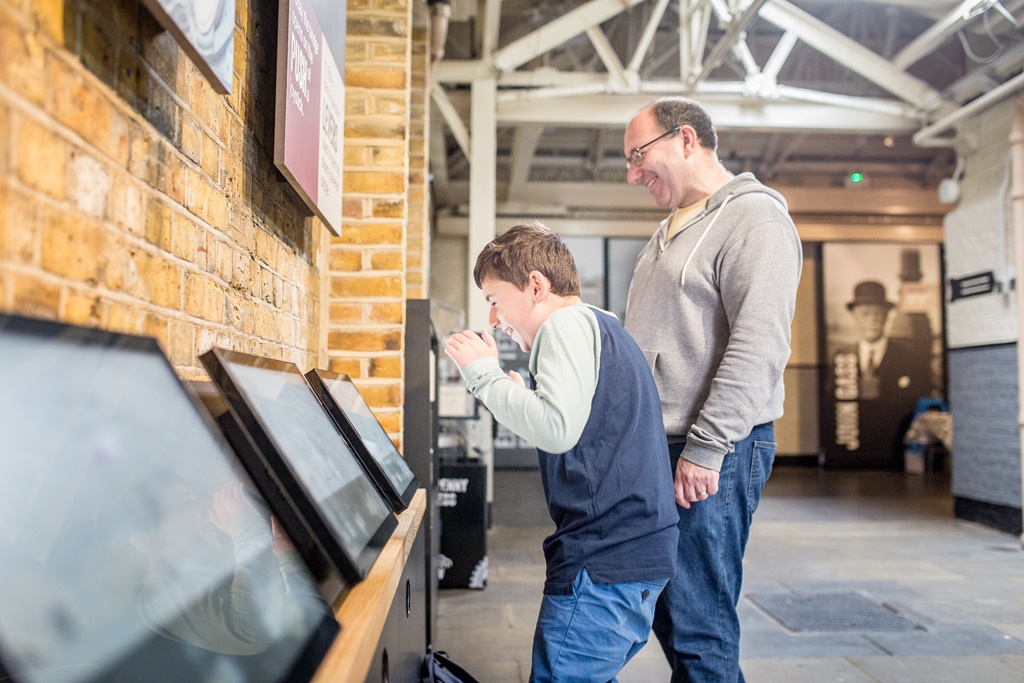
x=636, y=157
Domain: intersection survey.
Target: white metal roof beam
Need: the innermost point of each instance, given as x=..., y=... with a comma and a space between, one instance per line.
x=647, y=37
x=932, y=38
x=524, y=143
x=491, y=25
x=451, y=117
x=850, y=54
x=558, y=31
x=732, y=37
x=611, y=61
x=727, y=111
x=694, y=21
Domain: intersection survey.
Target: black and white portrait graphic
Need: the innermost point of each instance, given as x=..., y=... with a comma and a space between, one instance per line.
x=883, y=348
x=206, y=31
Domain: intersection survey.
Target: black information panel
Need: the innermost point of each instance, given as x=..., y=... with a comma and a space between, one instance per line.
x=135, y=548
x=299, y=459
x=371, y=444
x=462, y=497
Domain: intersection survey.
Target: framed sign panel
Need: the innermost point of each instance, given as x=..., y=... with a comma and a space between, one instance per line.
x=371, y=444
x=882, y=348
x=292, y=446
x=129, y=527
x=309, y=125
x=205, y=29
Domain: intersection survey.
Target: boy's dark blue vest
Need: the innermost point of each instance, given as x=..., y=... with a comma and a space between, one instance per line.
x=611, y=496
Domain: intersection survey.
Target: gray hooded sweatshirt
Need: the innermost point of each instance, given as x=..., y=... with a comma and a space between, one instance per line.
x=712, y=311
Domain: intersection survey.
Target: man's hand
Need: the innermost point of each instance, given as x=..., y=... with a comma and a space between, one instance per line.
x=466, y=347
x=694, y=483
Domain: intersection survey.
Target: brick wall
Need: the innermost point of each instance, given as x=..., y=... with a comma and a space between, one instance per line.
x=135, y=198
x=367, y=265
x=417, y=242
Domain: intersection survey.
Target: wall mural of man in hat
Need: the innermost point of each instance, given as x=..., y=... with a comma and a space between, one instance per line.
x=890, y=375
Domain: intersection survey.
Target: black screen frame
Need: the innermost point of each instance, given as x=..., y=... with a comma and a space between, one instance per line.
x=318, y=641
x=398, y=500
x=268, y=465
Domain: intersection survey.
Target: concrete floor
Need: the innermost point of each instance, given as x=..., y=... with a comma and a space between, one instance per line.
x=884, y=536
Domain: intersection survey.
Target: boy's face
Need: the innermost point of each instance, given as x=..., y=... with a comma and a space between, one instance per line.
x=511, y=310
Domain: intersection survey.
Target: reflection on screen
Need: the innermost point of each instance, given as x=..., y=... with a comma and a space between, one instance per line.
x=371, y=432
x=132, y=548
x=316, y=452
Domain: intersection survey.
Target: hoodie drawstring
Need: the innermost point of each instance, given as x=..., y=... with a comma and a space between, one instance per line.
x=704, y=234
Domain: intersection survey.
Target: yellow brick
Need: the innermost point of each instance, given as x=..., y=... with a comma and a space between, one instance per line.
x=82, y=309
x=158, y=328
x=22, y=60
x=345, y=366
x=365, y=340
x=345, y=313
x=378, y=25
x=382, y=394
x=122, y=317
x=19, y=226
x=126, y=205
x=390, y=367
x=346, y=260
x=355, y=155
x=89, y=184
x=384, y=78
x=389, y=156
x=5, y=139
x=140, y=157
x=41, y=158
x=395, y=51
x=158, y=223
x=387, y=260
x=377, y=128
x=387, y=104
x=211, y=158
x=72, y=246
x=355, y=286
x=191, y=141
x=154, y=279
x=36, y=298
x=388, y=208
x=183, y=237
x=392, y=423
x=392, y=5
x=182, y=342
x=195, y=294
x=373, y=233
x=217, y=214
x=387, y=313
x=172, y=177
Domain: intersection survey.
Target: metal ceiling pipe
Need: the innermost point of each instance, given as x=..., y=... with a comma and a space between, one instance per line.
x=1017, y=197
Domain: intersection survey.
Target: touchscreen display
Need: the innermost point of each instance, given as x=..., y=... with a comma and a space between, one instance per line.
x=370, y=431
x=315, y=453
x=134, y=547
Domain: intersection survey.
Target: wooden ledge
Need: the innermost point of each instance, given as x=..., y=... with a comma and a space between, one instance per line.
x=363, y=610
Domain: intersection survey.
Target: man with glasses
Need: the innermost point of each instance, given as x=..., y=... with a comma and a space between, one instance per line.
x=711, y=304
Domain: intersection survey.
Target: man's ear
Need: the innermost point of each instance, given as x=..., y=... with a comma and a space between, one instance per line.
x=539, y=285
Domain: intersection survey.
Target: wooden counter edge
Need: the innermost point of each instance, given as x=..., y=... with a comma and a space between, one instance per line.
x=364, y=610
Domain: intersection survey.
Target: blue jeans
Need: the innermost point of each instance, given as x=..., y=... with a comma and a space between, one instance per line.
x=587, y=636
x=695, y=620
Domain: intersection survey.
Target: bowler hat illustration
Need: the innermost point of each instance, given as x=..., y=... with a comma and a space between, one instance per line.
x=869, y=292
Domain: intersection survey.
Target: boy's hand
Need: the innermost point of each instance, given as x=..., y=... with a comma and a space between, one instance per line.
x=466, y=347
x=517, y=378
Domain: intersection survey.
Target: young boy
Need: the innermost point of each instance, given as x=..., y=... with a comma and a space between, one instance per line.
x=592, y=409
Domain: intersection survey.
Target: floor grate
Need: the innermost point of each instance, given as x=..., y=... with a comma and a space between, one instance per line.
x=831, y=613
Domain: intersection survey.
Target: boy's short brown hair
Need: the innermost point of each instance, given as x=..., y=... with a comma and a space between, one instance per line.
x=523, y=248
